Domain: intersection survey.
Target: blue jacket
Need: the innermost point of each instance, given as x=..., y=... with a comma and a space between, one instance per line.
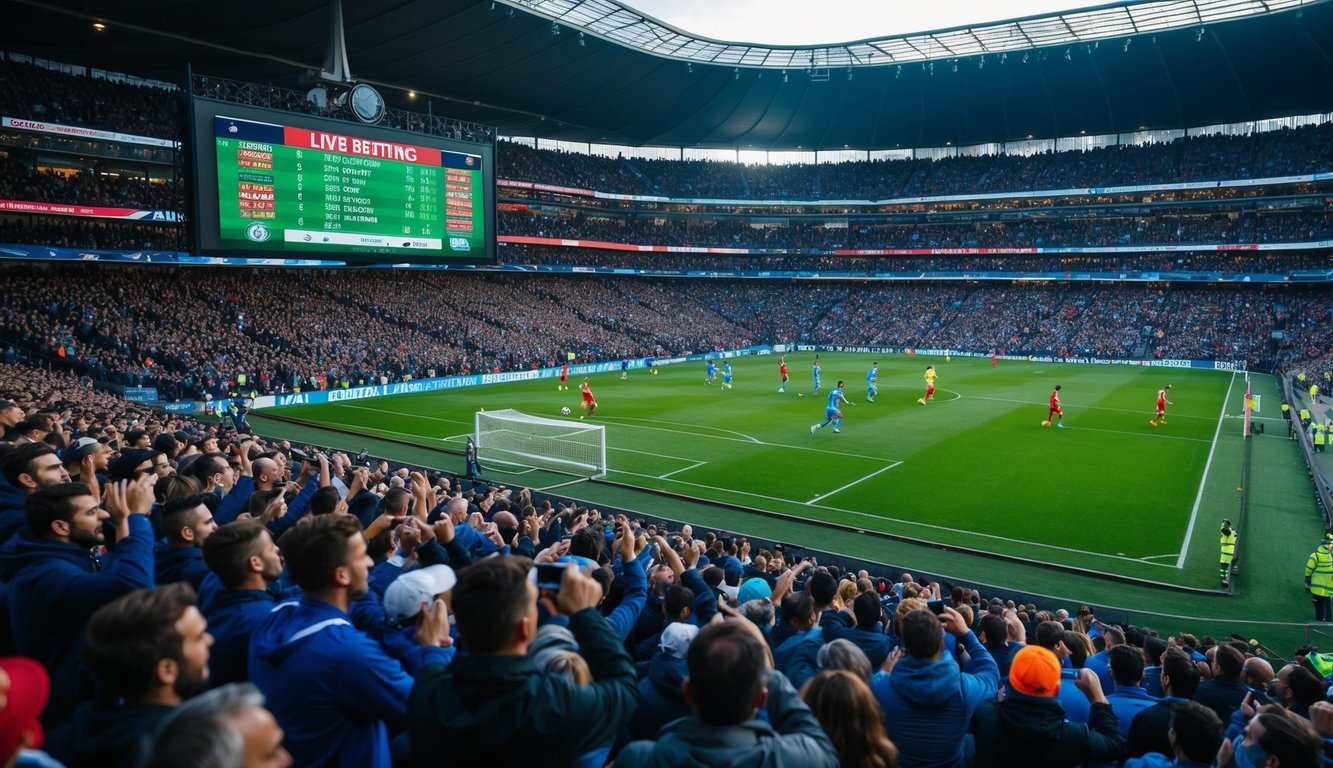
x=233, y=504
x=1128, y=701
x=1100, y=663
x=232, y=616
x=295, y=511
x=401, y=643
x=623, y=617
x=1076, y=705
x=797, y=656
x=662, y=697
x=13, y=518
x=175, y=564
x=330, y=686
x=928, y=704
x=55, y=587
x=874, y=645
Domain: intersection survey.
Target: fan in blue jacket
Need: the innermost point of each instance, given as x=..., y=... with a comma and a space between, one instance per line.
x=663, y=698
x=187, y=523
x=332, y=688
x=927, y=700
x=797, y=656
x=243, y=557
x=56, y=583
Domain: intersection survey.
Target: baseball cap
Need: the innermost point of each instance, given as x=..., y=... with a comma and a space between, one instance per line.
x=123, y=467
x=403, y=598
x=753, y=589
x=1035, y=671
x=29, y=688
x=676, y=639
x=7, y=404
x=84, y=446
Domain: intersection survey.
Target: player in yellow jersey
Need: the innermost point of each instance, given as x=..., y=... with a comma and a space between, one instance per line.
x=930, y=385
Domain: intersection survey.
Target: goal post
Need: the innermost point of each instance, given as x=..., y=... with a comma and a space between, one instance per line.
x=509, y=437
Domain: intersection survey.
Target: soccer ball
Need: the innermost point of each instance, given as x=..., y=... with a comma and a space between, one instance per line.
x=564, y=411
x=800, y=394
x=1046, y=423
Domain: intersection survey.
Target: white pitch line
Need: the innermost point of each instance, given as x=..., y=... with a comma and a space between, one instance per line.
x=685, y=469
x=748, y=438
x=842, y=454
x=400, y=413
x=854, y=482
x=919, y=524
x=1203, y=481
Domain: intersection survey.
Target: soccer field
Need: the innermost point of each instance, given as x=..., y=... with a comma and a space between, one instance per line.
x=974, y=468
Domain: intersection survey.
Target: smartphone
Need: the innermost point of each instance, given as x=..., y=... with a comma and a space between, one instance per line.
x=360, y=457
x=936, y=606
x=549, y=576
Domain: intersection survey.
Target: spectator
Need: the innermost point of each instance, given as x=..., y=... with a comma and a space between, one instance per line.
x=245, y=562
x=927, y=699
x=224, y=728
x=1180, y=679
x=845, y=655
x=188, y=524
x=1274, y=738
x=1196, y=735
x=867, y=633
x=1130, y=697
x=846, y=709
x=1100, y=662
x=55, y=583
x=490, y=707
x=796, y=656
x=730, y=680
x=333, y=689
x=1224, y=692
x=661, y=695
x=1028, y=727
x=26, y=468
x=148, y=651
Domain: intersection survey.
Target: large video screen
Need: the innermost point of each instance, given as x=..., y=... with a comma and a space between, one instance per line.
x=276, y=183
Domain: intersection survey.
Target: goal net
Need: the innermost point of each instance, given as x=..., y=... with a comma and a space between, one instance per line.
x=509, y=437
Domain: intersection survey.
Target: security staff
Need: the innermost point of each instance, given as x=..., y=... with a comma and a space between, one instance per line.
x=1319, y=579
x=470, y=456
x=1228, y=551
x=1320, y=436
x=1305, y=418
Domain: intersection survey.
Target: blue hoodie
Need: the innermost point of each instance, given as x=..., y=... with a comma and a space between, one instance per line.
x=928, y=704
x=179, y=564
x=232, y=616
x=13, y=518
x=54, y=587
x=663, y=697
x=331, y=687
x=797, y=656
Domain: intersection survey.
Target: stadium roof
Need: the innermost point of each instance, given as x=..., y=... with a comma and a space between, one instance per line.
x=494, y=63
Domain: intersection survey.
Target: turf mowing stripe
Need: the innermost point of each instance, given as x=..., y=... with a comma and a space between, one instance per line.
x=897, y=520
x=1198, y=498
x=1079, y=407
x=751, y=441
x=854, y=482
x=1153, y=435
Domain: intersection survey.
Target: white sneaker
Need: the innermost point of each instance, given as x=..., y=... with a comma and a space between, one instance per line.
x=813, y=428
x=1061, y=426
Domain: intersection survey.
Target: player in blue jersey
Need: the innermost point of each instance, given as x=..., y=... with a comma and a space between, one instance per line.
x=872, y=380
x=832, y=415
x=624, y=370
x=814, y=371
x=726, y=375
x=712, y=372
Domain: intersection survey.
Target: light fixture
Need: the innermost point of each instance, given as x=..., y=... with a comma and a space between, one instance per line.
x=411, y=94
x=1068, y=56
x=1125, y=48
x=932, y=69
x=689, y=67
x=784, y=75
x=492, y=5
x=99, y=26
x=737, y=72
x=1025, y=57
x=1198, y=37
x=955, y=65
x=900, y=72
x=582, y=43
x=555, y=28
x=1004, y=57
x=981, y=62
x=849, y=74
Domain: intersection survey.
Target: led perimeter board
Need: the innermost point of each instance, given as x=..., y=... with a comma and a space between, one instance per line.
x=270, y=183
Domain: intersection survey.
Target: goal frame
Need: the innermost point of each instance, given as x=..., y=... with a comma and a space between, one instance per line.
x=543, y=461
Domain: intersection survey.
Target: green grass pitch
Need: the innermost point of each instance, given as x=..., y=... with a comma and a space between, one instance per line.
x=973, y=468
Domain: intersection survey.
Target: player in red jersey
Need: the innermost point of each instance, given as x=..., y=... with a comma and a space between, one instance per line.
x=564, y=377
x=1162, y=403
x=588, y=404
x=993, y=364
x=1055, y=409
x=782, y=369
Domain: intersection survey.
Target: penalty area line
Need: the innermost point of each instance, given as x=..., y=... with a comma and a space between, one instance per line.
x=1203, y=481
x=854, y=482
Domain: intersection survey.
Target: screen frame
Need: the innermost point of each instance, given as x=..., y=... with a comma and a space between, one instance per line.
x=205, y=218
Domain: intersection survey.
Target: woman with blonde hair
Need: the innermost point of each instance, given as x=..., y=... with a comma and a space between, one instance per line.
x=853, y=720
x=847, y=592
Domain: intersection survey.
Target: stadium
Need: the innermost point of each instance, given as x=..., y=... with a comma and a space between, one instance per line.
x=1021, y=318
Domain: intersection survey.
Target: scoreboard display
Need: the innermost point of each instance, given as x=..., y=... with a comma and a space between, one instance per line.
x=274, y=183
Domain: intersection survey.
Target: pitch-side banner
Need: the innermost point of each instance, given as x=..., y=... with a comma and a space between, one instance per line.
x=76, y=132
x=92, y=211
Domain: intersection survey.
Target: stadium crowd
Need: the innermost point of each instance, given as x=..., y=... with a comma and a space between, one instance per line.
x=193, y=333
x=19, y=180
x=183, y=593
